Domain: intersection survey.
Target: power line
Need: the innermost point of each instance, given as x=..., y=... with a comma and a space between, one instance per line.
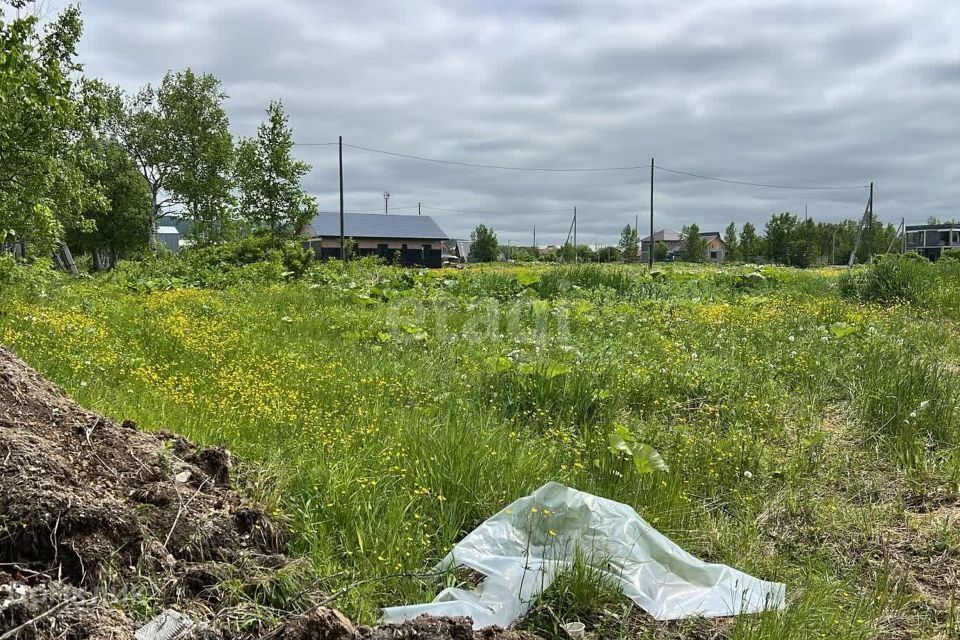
x=316, y=144
x=699, y=176
x=507, y=213
x=489, y=166
x=757, y=184
x=513, y=213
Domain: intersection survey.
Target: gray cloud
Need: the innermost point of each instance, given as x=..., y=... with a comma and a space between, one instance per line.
x=824, y=93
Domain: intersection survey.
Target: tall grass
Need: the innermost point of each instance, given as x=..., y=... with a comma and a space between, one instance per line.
x=387, y=412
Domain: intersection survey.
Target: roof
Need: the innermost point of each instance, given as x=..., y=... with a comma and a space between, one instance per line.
x=710, y=234
x=374, y=225
x=464, y=247
x=667, y=235
x=172, y=231
x=923, y=227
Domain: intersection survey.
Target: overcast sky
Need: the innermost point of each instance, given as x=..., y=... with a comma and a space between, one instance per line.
x=815, y=93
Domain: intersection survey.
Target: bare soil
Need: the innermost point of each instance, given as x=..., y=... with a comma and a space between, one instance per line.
x=90, y=507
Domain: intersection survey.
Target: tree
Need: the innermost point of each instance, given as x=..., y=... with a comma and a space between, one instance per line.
x=484, y=247
x=629, y=244
x=567, y=252
x=692, y=245
x=179, y=137
x=804, y=244
x=780, y=230
x=45, y=122
x=269, y=179
x=199, y=132
x=750, y=245
x=730, y=239
x=122, y=227
x=609, y=254
x=660, y=251
x=585, y=253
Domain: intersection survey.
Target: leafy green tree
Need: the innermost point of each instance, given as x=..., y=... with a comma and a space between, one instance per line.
x=46, y=119
x=585, y=253
x=804, y=244
x=142, y=129
x=199, y=132
x=692, y=245
x=661, y=250
x=122, y=227
x=750, y=244
x=609, y=254
x=269, y=179
x=730, y=239
x=485, y=246
x=567, y=252
x=629, y=244
x=780, y=230
x=178, y=135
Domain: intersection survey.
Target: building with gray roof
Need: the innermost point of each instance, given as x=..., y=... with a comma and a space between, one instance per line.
x=401, y=239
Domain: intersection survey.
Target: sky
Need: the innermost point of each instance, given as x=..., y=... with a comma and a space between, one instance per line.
x=835, y=93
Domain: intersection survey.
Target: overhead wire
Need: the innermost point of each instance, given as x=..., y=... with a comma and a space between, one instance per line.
x=691, y=174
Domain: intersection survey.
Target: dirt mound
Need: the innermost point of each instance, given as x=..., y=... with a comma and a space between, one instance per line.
x=329, y=624
x=91, y=511
x=86, y=497
x=52, y=609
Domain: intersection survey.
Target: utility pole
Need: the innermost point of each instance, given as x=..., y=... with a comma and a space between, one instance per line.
x=869, y=242
x=534, y=236
x=636, y=229
x=418, y=208
x=386, y=200
x=804, y=213
x=833, y=249
x=343, y=240
x=575, y=257
x=903, y=240
x=650, y=248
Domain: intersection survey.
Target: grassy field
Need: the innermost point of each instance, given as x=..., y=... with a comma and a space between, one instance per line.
x=811, y=439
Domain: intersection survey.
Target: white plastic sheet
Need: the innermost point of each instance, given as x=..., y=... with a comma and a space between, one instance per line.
x=524, y=547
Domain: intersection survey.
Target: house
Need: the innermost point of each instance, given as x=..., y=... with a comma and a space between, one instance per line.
x=929, y=240
x=169, y=236
x=406, y=240
x=715, y=251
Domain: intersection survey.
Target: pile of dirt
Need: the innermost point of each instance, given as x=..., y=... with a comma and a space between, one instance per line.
x=92, y=507
x=328, y=624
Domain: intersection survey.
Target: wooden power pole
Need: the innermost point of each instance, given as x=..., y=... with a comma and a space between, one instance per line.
x=650, y=249
x=343, y=238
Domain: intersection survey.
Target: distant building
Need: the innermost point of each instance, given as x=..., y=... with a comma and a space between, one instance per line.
x=463, y=249
x=169, y=237
x=929, y=240
x=409, y=240
x=716, y=249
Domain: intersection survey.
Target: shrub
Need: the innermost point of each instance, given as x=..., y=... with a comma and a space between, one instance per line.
x=890, y=278
x=950, y=254
x=250, y=250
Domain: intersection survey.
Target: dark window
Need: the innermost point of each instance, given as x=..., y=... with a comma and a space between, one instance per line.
x=381, y=248
x=713, y=255
x=404, y=246
x=427, y=249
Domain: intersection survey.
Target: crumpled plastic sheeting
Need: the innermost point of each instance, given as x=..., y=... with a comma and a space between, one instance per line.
x=524, y=547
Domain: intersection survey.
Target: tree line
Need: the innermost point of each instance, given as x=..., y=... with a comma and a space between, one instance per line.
x=83, y=161
x=785, y=239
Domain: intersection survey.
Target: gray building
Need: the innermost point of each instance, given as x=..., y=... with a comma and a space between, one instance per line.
x=929, y=240
x=409, y=240
x=715, y=249
x=169, y=237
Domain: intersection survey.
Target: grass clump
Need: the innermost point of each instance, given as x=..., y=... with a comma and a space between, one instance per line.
x=891, y=278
